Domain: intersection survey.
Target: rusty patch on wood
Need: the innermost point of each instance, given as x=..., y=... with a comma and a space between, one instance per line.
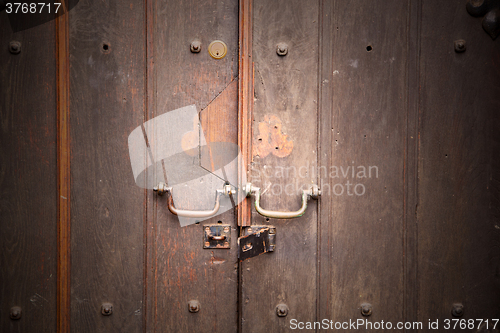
x=271, y=139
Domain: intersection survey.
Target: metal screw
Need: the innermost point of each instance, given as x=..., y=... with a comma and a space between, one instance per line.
x=107, y=309
x=207, y=244
x=366, y=309
x=460, y=46
x=15, y=313
x=226, y=244
x=282, y=49
x=226, y=229
x=195, y=46
x=249, y=230
x=457, y=310
x=272, y=231
x=15, y=47
x=193, y=306
x=207, y=228
x=281, y=310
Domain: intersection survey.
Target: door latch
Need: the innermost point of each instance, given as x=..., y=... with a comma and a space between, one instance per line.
x=217, y=236
x=256, y=240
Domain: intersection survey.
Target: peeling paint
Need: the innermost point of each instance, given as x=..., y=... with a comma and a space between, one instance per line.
x=271, y=139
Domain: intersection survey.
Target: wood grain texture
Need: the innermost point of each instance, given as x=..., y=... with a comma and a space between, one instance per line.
x=325, y=143
x=364, y=87
x=63, y=170
x=245, y=101
x=149, y=244
x=28, y=179
x=459, y=169
x=107, y=208
x=411, y=164
x=184, y=270
x=285, y=102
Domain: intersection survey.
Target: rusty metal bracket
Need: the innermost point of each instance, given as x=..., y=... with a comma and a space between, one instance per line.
x=217, y=236
x=256, y=240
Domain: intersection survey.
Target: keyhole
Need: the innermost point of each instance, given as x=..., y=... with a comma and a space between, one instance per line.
x=217, y=49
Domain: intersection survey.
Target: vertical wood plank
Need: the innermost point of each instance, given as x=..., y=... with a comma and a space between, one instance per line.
x=150, y=291
x=325, y=144
x=245, y=102
x=459, y=166
x=364, y=88
x=184, y=270
x=28, y=178
x=284, y=138
x=63, y=158
x=410, y=165
x=107, y=54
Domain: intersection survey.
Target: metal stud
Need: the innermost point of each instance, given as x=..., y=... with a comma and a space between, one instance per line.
x=460, y=45
x=281, y=310
x=193, y=306
x=195, y=46
x=282, y=49
x=15, y=47
x=107, y=309
x=15, y=313
x=366, y=309
x=457, y=310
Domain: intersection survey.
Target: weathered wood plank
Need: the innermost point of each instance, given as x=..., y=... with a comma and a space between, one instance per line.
x=284, y=136
x=184, y=270
x=362, y=217
x=411, y=164
x=28, y=178
x=149, y=292
x=245, y=102
x=326, y=142
x=107, y=102
x=459, y=166
x=64, y=179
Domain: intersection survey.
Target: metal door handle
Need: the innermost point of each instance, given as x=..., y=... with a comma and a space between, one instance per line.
x=314, y=192
x=219, y=238
x=162, y=188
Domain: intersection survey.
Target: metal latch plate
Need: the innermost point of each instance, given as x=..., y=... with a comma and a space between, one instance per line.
x=217, y=236
x=256, y=240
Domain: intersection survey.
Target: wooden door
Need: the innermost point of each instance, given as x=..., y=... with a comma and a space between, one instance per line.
x=389, y=107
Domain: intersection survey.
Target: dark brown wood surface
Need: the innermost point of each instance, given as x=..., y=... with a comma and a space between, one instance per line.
x=64, y=178
x=28, y=178
x=185, y=271
x=363, y=126
x=459, y=166
x=285, y=110
x=370, y=85
x=107, y=57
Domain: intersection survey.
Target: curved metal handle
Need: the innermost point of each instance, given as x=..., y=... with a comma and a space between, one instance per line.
x=162, y=188
x=218, y=238
x=314, y=192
